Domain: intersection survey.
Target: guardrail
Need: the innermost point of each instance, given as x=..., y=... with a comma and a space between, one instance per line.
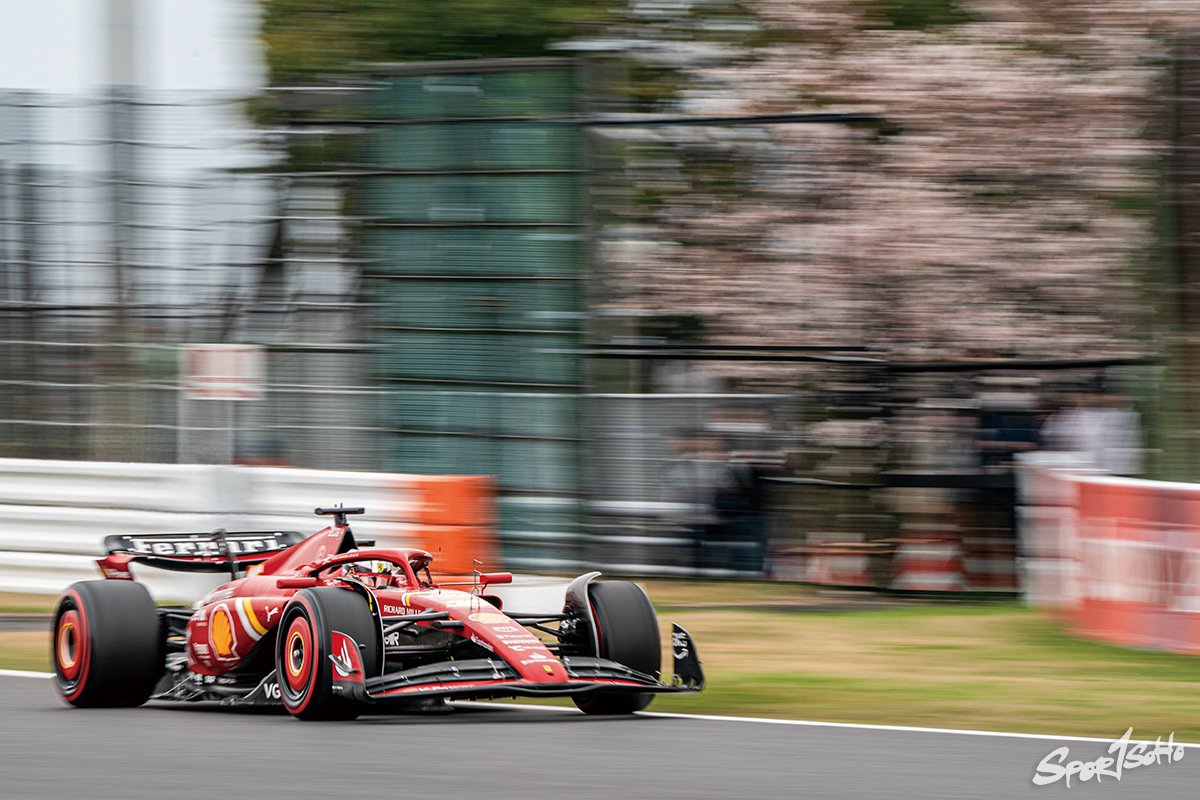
x=54, y=514
x=1116, y=559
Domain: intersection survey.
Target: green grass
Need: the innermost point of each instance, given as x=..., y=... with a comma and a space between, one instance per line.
x=990, y=668
x=18, y=603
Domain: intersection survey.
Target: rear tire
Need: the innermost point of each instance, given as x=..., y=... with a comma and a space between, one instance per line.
x=626, y=632
x=302, y=664
x=107, y=646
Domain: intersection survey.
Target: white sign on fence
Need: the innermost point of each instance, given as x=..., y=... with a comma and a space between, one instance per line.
x=223, y=371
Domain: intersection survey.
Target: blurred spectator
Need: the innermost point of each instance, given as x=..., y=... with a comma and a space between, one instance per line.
x=738, y=538
x=1007, y=421
x=1101, y=428
x=690, y=480
x=720, y=501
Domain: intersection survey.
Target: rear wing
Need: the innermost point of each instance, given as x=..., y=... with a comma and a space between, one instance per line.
x=217, y=551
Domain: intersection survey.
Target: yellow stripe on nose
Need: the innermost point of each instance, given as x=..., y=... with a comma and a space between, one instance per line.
x=251, y=617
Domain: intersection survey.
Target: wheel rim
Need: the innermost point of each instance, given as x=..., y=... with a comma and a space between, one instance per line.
x=297, y=658
x=69, y=645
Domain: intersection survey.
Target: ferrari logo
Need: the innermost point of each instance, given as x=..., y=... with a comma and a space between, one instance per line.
x=549, y=669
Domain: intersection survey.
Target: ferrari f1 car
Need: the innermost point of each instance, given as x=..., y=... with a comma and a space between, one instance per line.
x=328, y=626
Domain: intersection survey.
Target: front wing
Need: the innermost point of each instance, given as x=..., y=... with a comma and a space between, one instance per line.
x=491, y=677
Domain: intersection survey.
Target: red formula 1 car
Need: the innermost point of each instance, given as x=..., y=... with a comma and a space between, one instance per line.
x=327, y=626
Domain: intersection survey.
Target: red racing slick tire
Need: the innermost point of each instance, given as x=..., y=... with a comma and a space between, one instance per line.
x=302, y=664
x=626, y=632
x=107, y=646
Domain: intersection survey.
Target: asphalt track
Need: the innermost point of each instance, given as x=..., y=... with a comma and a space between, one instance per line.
x=48, y=750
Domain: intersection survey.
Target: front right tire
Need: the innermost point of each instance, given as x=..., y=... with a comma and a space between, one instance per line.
x=626, y=632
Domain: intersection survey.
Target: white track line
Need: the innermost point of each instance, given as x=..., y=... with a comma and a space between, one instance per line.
x=20, y=673
x=905, y=728
x=815, y=724
x=24, y=673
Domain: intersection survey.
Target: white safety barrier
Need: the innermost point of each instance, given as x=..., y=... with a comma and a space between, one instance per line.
x=54, y=515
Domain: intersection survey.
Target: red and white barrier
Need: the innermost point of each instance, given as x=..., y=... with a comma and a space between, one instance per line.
x=925, y=563
x=1118, y=559
x=840, y=564
x=990, y=561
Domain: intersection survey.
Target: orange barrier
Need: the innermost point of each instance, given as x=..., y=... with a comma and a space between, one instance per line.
x=1117, y=559
x=454, y=518
x=452, y=499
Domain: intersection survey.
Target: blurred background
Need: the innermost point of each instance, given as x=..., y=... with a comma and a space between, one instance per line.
x=712, y=288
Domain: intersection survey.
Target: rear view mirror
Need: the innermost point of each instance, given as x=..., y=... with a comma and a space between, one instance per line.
x=495, y=577
x=297, y=583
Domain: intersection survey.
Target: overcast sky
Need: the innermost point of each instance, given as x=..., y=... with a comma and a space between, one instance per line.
x=60, y=45
x=198, y=220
